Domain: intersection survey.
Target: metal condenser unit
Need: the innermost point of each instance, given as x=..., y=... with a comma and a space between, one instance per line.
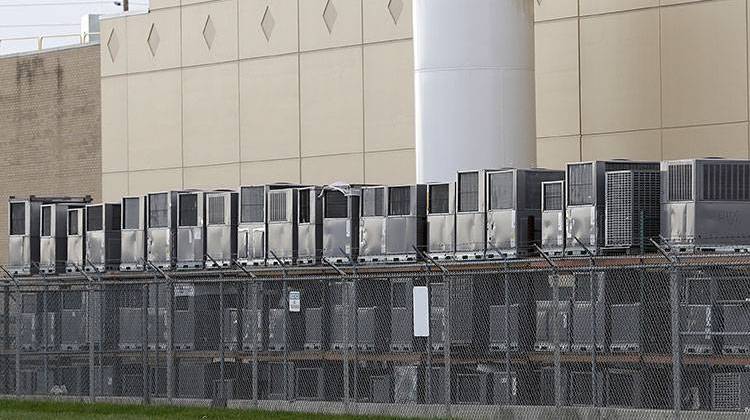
x=514, y=219
x=133, y=233
x=341, y=224
x=251, y=230
x=586, y=203
x=441, y=220
x=471, y=214
x=553, y=218
x=76, y=240
x=632, y=209
x=405, y=222
x=309, y=225
x=23, y=239
x=53, y=238
x=103, y=236
x=221, y=228
x=282, y=226
x=191, y=228
x=161, y=231
x=706, y=204
x=372, y=224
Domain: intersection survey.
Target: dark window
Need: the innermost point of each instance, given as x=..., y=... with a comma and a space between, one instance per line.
x=46, y=221
x=131, y=213
x=94, y=218
x=72, y=300
x=304, y=206
x=401, y=295
x=580, y=184
x=553, y=199
x=501, y=190
x=680, y=178
x=439, y=198
x=188, y=210
x=216, y=210
x=277, y=206
x=372, y=202
x=158, y=210
x=468, y=191
x=73, y=222
x=182, y=303
x=399, y=201
x=336, y=205
x=17, y=218
x=252, y=205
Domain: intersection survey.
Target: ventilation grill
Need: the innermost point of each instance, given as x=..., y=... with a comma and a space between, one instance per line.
x=189, y=210
x=468, y=192
x=581, y=184
x=372, y=202
x=46, y=221
x=251, y=210
x=304, y=206
x=532, y=190
x=726, y=182
x=501, y=190
x=726, y=390
x=399, y=201
x=631, y=197
x=17, y=218
x=158, y=211
x=94, y=219
x=277, y=207
x=216, y=210
x=439, y=199
x=73, y=222
x=680, y=179
x=553, y=196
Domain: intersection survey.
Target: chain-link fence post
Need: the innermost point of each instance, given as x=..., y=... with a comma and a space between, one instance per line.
x=506, y=293
x=46, y=332
x=170, y=340
x=6, y=340
x=253, y=327
x=90, y=333
x=447, y=344
x=144, y=340
x=556, y=325
x=285, y=300
x=674, y=292
x=18, y=340
x=222, y=374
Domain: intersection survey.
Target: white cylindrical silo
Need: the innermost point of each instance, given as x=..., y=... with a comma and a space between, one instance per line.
x=474, y=86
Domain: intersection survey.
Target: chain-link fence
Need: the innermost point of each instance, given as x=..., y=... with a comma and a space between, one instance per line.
x=655, y=333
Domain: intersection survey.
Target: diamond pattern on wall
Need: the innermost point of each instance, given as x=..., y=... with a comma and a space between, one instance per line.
x=209, y=32
x=329, y=15
x=113, y=45
x=153, y=39
x=267, y=23
x=395, y=7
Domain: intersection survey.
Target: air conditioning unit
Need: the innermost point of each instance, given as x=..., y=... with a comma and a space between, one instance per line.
x=500, y=339
x=471, y=388
x=161, y=229
x=545, y=326
x=500, y=385
x=471, y=214
x=380, y=389
x=76, y=240
x=310, y=383
x=581, y=386
x=698, y=319
x=730, y=391
x=309, y=225
x=341, y=224
x=53, y=231
x=627, y=328
x=343, y=304
x=373, y=328
x=191, y=226
x=553, y=218
x=28, y=339
x=285, y=328
x=221, y=228
x=584, y=339
x=315, y=332
x=441, y=220
x=251, y=230
x=133, y=232
x=736, y=320
x=372, y=224
x=74, y=321
x=514, y=218
x=405, y=222
x=255, y=319
x=546, y=393
x=23, y=236
x=468, y=314
x=586, y=201
x=632, y=212
x=231, y=328
x=624, y=388
x=406, y=384
x=103, y=236
x=705, y=205
x=402, y=317
x=283, y=231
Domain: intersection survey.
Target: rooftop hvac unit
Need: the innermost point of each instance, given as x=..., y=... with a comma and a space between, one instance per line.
x=697, y=319
x=736, y=321
x=586, y=201
x=514, y=218
x=191, y=226
x=471, y=388
x=341, y=224
x=545, y=339
x=196, y=326
x=133, y=243
x=310, y=383
x=583, y=337
x=76, y=240
x=283, y=231
x=405, y=222
x=251, y=230
x=441, y=220
x=547, y=385
x=285, y=328
x=221, y=228
x=372, y=224
x=406, y=383
x=103, y=236
x=553, y=218
x=627, y=328
x=730, y=391
x=74, y=320
x=254, y=318
x=23, y=239
x=343, y=304
x=705, y=204
x=402, y=317
x=161, y=229
x=277, y=381
x=468, y=314
x=624, y=388
x=471, y=214
x=580, y=390
x=632, y=211
x=53, y=231
x=309, y=225
x=380, y=389
x=500, y=339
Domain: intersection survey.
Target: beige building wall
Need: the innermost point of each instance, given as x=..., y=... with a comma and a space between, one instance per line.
x=643, y=79
x=207, y=94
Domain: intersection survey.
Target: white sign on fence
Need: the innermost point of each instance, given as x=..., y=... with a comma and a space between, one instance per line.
x=421, y=311
x=295, y=304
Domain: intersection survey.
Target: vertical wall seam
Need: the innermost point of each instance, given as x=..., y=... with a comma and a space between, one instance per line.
x=580, y=84
x=661, y=90
x=182, y=109
x=747, y=75
x=362, y=59
x=239, y=102
x=299, y=97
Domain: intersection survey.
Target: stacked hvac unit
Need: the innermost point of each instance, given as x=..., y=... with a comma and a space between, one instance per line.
x=282, y=219
x=730, y=391
x=586, y=202
x=705, y=205
x=372, y=224
x=513, y=215
x=359, y=315
x=632, y=208
x=553, y=218
x=132, y=316
x=402, y=315
x=161, y=229
x=441, y=220
x=221, y=228
x=103, y=236
x=316, y=317
x=133, y=234
x=254, y=318
x=341, y=224
x=251, y=230
x=471, y=214
x=469, y=315
x=76, y=240
x=190, y=230
x=309, y=225
x=40, y=323
x=53, y=230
